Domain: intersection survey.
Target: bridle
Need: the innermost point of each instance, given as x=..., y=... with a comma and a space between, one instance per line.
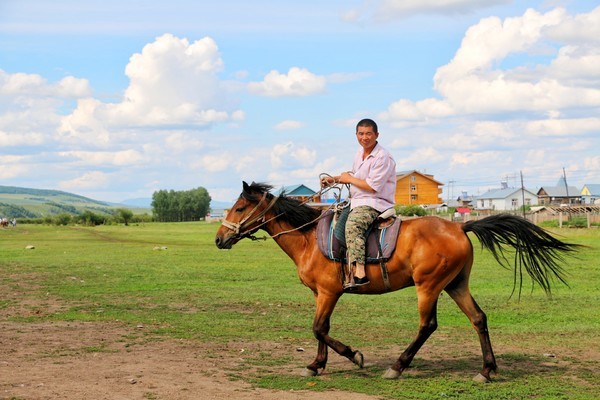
x=240, y=229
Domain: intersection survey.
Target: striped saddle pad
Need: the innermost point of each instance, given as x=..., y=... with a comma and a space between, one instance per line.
x=381, y=241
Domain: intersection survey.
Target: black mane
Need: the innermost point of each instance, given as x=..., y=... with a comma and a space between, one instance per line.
x=286, y=208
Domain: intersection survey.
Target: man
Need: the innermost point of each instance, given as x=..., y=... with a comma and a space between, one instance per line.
x=372, y=190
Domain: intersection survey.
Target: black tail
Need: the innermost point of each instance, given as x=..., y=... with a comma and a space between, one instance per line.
x=535, y=249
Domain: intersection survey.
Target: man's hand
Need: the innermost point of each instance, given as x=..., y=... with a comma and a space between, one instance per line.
x=329, y=181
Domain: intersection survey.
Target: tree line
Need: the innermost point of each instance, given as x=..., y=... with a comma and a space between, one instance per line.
x=180, y=206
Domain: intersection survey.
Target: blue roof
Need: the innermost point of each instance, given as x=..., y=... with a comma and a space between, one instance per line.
x=561, y=191
x=594, y=188
x=502, y=193
x=296, y=190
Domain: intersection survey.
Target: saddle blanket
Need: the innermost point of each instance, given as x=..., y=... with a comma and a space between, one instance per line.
x=334, y=247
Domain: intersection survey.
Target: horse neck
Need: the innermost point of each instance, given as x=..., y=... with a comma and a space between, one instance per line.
x=291, y=240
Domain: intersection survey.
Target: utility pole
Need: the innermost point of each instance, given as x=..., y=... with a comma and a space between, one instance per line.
x=522, y=193
x=566, y=186
x=450, y=188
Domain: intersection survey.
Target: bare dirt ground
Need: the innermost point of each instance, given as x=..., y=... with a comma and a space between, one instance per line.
x=110, y=361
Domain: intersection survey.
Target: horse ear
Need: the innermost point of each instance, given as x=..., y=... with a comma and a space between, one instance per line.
x=245, y=187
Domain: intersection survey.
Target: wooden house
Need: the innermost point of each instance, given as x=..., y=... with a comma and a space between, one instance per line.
x=559, y=194
x=414, y=187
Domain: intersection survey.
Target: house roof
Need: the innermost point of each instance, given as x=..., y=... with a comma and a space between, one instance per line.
x=403, y=174
x=560, y=191
x=502, y=193
x=296, y=190
x=593, y=188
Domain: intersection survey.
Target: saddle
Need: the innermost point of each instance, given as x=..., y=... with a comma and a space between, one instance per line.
x=381, y=237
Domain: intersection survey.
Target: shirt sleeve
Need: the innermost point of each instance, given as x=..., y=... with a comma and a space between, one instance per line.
x=380, y=171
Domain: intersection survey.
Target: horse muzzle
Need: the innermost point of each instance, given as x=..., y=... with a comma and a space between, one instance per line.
x=226, y=241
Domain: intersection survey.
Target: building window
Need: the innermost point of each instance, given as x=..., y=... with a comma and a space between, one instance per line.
x=514, y=202
x=413, y=197
x=528, y=202
x=413, y=178
x=413, y=188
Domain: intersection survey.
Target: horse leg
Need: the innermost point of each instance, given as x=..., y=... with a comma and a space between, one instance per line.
x=461, y=295
x=427, y=305
x=325, y=306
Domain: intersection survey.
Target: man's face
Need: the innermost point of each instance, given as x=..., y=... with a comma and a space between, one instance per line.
x=366, y=137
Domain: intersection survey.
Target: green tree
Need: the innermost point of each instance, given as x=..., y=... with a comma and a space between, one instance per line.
x=125, y=215
x=176, y=206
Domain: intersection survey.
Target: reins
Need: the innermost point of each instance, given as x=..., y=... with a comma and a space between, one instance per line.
x=240, y=228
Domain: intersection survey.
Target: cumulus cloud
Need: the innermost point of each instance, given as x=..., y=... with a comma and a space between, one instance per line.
x=289, y=156
x=172, y=82
x=297, y=82
x=475, y=82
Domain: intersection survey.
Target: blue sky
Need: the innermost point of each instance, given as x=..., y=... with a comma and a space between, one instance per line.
x=117, y=99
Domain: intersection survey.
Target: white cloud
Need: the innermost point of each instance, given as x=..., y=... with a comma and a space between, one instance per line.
x=90, y=180
x=289, y=125
x=172, y=83
x=297, y=82
x=20, y=84
x=8, y=139
x=103, y=158
x=563, y=127
x=213, y=162
x=474, y=82
x=13, y=167
x=289, y=156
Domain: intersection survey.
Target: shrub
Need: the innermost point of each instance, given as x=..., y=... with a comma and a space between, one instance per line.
x=411, y=210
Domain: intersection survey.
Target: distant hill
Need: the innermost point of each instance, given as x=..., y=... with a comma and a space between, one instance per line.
x=143, y=202
x=21, y=202
x=18, y=202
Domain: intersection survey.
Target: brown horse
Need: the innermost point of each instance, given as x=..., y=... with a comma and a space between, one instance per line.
x=431, y=254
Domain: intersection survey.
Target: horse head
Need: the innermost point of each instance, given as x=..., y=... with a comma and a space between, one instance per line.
x=246, y=216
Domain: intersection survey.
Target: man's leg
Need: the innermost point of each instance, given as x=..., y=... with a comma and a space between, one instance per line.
x=359, y=220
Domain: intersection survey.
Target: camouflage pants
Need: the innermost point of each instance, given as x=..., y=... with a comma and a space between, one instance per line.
x=359, y=220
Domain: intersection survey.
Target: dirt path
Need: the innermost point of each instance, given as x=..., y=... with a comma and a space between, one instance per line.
x=110, y=361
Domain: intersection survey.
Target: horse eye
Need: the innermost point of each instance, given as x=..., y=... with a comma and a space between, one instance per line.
x=239, y=209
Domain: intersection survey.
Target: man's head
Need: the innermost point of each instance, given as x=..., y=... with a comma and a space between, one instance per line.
x=367, y=134
x=367, y=123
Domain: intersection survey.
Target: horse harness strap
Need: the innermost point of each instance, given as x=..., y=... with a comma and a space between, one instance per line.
x=239, y=228
x=384, y=271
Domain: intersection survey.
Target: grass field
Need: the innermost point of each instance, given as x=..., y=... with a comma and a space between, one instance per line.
x=547, y=348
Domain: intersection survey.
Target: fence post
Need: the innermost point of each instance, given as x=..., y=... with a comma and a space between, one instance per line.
x=560, y=219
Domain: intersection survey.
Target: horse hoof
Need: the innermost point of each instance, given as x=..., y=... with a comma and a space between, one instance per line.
x=359, y=359
x=481, y=379
x=391, y=374
x=308, y=373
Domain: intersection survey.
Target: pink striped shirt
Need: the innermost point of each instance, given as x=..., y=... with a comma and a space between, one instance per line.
x=379, y=171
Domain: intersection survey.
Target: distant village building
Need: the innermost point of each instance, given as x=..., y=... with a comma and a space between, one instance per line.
x=506, y=198
x=561, y=194
x=464, y=200
x=414, y=187
x=300, y=192
x=590, y=194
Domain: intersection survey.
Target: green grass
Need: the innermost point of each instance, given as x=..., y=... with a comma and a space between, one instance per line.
x=251, y=294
